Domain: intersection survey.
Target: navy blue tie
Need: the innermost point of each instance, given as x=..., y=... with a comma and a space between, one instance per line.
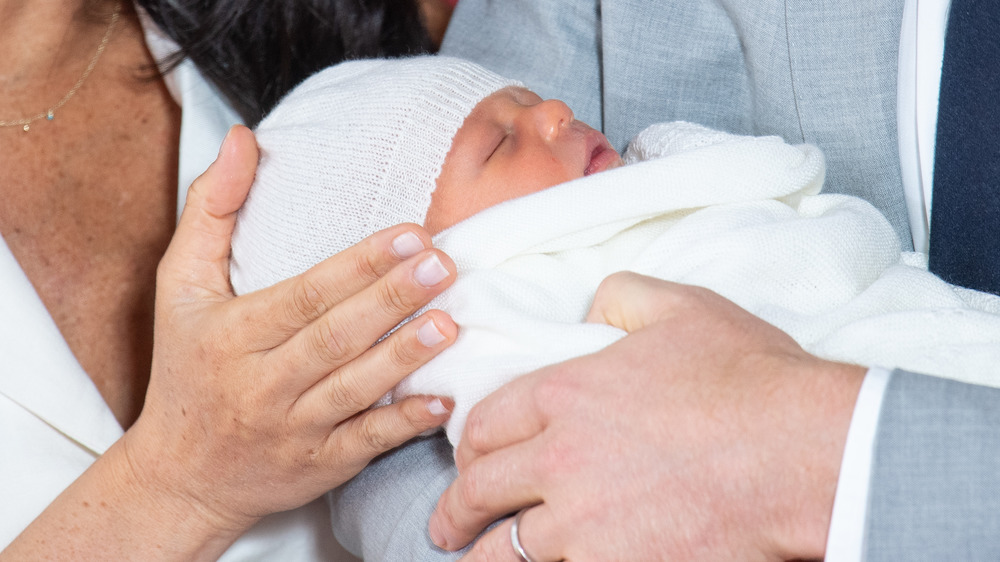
x=965, y=209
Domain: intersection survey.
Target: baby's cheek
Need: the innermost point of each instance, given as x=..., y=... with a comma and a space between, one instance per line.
x=543, y=174
x=451, y=203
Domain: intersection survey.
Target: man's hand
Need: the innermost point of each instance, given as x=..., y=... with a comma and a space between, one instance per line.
x=705, y=434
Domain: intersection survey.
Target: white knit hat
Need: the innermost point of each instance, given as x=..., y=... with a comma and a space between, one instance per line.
x=354, y=149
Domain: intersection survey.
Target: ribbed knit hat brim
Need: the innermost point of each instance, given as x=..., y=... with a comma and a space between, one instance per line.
x=354, y=149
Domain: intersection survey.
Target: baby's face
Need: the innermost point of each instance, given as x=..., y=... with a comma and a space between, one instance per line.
x=512, y=144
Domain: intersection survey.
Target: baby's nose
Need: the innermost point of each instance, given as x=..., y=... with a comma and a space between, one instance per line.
x=551, y=116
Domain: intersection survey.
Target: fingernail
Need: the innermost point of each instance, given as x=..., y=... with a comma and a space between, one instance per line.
x=407, y=244
x=437, y=408
x=229, y=133
x=430, y=272
x=429, y=335
x=436, y=537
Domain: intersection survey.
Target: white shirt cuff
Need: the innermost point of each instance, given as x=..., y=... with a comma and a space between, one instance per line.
x=846, y=539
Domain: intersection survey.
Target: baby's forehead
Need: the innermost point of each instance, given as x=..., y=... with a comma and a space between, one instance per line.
x=510, y=94
x=493, y=105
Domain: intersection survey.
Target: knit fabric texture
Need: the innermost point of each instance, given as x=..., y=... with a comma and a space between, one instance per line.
x=742, y=216
x=354, y=149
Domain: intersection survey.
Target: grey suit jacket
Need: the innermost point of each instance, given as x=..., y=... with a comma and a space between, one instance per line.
x=809, y=71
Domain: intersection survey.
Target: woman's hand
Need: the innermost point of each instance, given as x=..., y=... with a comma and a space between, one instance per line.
x=258, y=403
x=704, y=434
x=262, y=399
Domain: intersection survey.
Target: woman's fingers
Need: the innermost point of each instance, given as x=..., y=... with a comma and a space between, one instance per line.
x=535, y=532
x=294, y=303
x=364, y=380
x=345, y=274
x=352, y=326
x=485, y=490
x=378, y=430
x=197, y=260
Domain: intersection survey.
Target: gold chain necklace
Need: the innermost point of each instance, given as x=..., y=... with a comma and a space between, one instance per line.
x=50, y=113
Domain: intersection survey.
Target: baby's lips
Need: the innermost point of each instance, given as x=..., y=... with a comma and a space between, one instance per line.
x=602, y=156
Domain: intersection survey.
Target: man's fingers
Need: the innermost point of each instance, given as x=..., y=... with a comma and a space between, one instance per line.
x=535, y=534
x=509, y=415
x=198, y=255
x=366, y=379
x=630, y=301
x=349, y=329
x=488, y=488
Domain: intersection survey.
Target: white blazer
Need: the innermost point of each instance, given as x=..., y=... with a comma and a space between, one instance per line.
x=53, y=421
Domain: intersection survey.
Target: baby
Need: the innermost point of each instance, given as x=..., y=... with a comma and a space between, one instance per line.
x=509, y=185
x=369, y=144
x=513, y=143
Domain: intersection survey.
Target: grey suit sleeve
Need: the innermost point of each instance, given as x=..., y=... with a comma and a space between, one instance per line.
x=382, y=514
x=935, y=491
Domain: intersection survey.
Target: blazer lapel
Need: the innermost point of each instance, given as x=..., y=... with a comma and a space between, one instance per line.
x=843, y=58
x=671, y=61
x=38, y=370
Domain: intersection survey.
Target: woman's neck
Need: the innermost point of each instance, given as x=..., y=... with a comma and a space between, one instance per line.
x=45, y=44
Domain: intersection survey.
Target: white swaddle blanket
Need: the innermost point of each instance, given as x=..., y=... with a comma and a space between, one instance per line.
x=740, y=215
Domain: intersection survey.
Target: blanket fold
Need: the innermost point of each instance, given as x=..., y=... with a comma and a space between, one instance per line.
x=742, y=216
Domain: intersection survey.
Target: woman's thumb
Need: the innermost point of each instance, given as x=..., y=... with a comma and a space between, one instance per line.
x=198, y=255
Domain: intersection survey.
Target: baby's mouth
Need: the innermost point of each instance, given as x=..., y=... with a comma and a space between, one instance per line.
x=602, y=156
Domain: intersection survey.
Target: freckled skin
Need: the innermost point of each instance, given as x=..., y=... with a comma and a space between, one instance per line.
x=89, y=199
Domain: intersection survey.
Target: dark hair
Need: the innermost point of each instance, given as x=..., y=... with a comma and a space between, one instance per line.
x=255, y=51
